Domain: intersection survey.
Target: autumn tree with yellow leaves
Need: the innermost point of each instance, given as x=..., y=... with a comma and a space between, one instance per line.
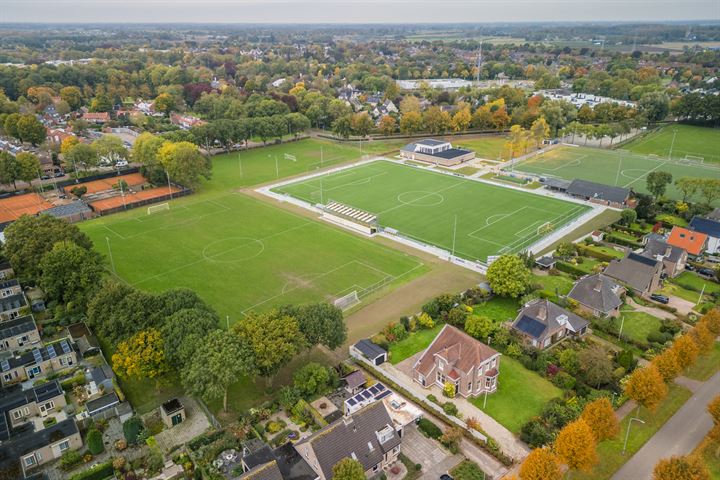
x=576, y=446
x=686, y=351
x=688, y=467
x=141, y=356
x=646, y=386
x=600, y=417
x=541, y=464
x=667, y=365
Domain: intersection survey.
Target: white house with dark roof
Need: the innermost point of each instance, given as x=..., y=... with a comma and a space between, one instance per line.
x=542, y=324
x=436, y=152
x=711, y=228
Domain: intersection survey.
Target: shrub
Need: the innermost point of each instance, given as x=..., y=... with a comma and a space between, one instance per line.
x=564, y=380
x=94, y=442
x=311, y=378
x=69, y=459
x=449, y=390
x=429, y=429
x=513, y=350
x=432, y=398
x=425, y=321
x=98, y=472
x=536, y=433
x=132, y=429
x=450, y=409
x=274, y=426
x=467, y=470
x=659, y=337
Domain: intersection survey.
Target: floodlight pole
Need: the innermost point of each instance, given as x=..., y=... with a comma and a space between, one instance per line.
x=454, y=232
x=112, y=262
x=633, y=419
x=167, y=174
x=672, y=144
x=277, y=169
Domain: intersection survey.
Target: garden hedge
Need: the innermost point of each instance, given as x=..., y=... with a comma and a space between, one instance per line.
x=98, y=472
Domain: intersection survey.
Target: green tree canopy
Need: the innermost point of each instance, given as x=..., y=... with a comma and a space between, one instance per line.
x=657, y=182
x=70, y=274
x=320, y=323
x=348, y=469
x=180, y=327
x=508, y=276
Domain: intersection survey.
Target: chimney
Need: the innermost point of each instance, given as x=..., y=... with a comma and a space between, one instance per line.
x=542, y=313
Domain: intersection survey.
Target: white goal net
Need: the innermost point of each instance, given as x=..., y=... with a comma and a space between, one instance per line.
x=158, y=208
x=693, y=159
x=347, y=301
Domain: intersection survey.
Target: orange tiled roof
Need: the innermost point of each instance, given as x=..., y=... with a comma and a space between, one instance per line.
x=692, y=242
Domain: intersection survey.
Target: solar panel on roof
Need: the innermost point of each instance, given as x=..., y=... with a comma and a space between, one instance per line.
x=5, y=365
x=530, y=326
x=383, y=394
x=38, y=356
x=351, y=401
x=51, y=352
x=65, y=346
x=381, y=387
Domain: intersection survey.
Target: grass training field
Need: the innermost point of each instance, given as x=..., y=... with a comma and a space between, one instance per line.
x=240, y=253
x=613, y=167
x=477, y=219
x=491, y=148
x=689, y=140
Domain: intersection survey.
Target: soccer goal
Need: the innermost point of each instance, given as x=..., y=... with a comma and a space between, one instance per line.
x=290, y=156
x=693, y=159
x=347, y=301
x=158, y=208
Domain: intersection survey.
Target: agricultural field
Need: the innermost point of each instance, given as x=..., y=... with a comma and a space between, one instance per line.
x=614, y=167
x=689, y=141
x=240, y=253
x=472, y=219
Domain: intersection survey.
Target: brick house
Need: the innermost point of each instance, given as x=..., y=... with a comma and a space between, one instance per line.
x=456, y=357
x=598, y=295
x=643, y=275
x=18, y=334
x=542, y=324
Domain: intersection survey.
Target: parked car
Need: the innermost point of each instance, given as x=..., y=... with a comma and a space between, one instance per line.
x=445, y=476
x=45, y=177
x=689, y=267
x=121, y=163
x=706, y=272
x=660, y=298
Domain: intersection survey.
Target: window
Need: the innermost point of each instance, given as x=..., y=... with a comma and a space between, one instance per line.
x=7, y=377
x=49, y=405
x=14, y=315
x=30, y=460
x=440, y=378
x=17, y=414
x=488, y=383
x=376, y=467
x=469, y=386
x=64, y=445
x=26, y=411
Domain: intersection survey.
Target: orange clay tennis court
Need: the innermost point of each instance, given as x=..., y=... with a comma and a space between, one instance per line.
x=105, y=184
x=12, y=208
x=132, y=198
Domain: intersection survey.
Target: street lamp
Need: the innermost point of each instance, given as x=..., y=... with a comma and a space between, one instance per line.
x=633, y=419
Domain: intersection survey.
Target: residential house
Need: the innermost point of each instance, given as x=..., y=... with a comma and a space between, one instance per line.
x=542, y=324
x=641, y=274
x=97, y=118
x=6, y=271
x=694, y=243
x=598, y=295
x=674, y=258
x=711, y=228
x=11, y=304
x=367, y=436
x=457, y=358
x=18, y=334
x=186, y=122
x=354, y=382
x=25, y=441
x=57, y=135
x=37, y=362
x=260, y=462
x=9, y=288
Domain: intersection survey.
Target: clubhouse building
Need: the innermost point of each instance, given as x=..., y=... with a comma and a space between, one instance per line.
x=436, y=152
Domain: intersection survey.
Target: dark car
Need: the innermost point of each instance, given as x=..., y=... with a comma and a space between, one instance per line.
x=706, y=272
x=660, y=298
x=59, y=174
x=689, y=267
x=445, y=476
x=45, y=177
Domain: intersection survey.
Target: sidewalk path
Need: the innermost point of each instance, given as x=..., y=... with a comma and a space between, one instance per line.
x=679, y=436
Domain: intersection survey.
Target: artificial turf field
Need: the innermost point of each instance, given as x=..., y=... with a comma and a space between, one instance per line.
x=240, y=253
x=689, y=140
x=613, y=167
x=424, y=205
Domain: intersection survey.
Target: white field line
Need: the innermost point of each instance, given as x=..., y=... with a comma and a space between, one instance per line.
x=644, y=175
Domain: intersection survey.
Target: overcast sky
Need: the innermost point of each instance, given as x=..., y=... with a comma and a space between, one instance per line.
x=353, y=11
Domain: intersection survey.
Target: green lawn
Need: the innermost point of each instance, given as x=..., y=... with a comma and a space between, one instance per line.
x=555, y=284
x=606, y=250
x=521, y=395
x=709, y=450
x=691, y=281
x=671, y=219
x=416, y=342
x=613, y=167
x=639, y=324
x=499, y=309
x=491, y=148
x=689, y=140
x=433, y=207
x=706, y=365
x=671, y=289
x=610, y=451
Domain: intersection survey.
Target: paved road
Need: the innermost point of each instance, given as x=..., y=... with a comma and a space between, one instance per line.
x=679, y=436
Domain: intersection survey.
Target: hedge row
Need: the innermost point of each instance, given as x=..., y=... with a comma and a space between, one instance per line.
x=621, y=241
x=571, y=269
x=98, y=472
x=591, y=252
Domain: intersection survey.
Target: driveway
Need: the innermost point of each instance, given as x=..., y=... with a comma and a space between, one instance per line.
x=683, y=306
x=679, y=436
x=654, y=311
x=434, y=459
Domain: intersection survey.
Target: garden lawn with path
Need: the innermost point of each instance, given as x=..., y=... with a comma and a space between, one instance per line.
x=610, y=451
x=521, y=395
x=415, y=342
x=691, y=281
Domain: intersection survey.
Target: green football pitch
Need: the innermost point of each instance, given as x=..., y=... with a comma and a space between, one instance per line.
x=690, y=141
x=240, y=253
x=613, y=167
x=471, y=218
